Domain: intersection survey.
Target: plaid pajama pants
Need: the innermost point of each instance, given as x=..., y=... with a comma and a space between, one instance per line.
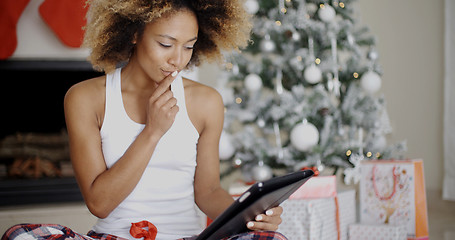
x=59, y=232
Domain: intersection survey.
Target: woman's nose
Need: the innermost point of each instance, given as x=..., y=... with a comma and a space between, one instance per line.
x=176, y=57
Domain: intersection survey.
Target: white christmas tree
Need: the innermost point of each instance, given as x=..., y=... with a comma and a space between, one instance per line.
x=305, y=93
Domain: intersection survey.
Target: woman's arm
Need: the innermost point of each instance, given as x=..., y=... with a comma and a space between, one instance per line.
x=104, y=189
x=206, y=109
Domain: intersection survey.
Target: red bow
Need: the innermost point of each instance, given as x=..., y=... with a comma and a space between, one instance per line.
x=137, y=230
x=315, y=170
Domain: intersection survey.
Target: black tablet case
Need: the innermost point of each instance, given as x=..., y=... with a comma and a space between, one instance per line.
x=256, y=200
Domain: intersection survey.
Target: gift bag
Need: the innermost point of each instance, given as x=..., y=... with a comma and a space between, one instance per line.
x=393, y=192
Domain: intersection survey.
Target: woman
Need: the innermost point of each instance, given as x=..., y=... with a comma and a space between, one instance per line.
x=143, y=140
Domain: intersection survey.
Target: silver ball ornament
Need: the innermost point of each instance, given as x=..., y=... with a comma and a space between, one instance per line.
x=261, y=172
x=226, y=148
x=326, y=13
x=261, y=122
x=304, y=136
x=296, y=36
x=267, y=45
x=312, y=74
x=370, y=82
x=373, y=55
x=251, y=6
x=253, y=82
x=311, y=8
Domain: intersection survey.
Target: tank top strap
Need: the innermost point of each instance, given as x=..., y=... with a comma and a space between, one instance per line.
x=113, y=103
x=179, y=93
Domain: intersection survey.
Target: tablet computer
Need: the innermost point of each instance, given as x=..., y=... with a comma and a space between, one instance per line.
x=256, y=200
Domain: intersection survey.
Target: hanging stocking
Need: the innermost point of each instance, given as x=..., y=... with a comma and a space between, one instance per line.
x=10, y=11
x=66, y=18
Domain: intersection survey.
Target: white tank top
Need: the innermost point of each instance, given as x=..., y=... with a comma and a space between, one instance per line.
x=164, y=195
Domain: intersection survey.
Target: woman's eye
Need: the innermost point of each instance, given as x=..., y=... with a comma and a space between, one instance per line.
x=165, y=45
x=189, y=47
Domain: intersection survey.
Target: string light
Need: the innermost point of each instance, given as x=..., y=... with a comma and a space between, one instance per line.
x=341, y=4
x=321, y=5
x=238, y=100
x=369, y=154
x=317, y=60
x=348, y=153
x=278, y=23
x=283, y=10
x=356, y=75
x=378, y=155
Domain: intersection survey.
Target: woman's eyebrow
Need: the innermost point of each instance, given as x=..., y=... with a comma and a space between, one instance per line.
x=174, y=39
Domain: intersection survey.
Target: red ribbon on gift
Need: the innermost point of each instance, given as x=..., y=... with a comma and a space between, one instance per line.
x=138, y=230
x=315, y=170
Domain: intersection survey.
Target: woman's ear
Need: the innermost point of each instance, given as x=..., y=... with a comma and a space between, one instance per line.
x=134, y=41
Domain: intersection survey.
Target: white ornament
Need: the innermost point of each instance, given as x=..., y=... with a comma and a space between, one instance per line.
x=304, y=136
x=251, y=6
x=226, y=149
x=253, y=82
x=261, y=122
x=261, y=172
x=311, y=8
x=370, y=82
x=312, y=74
x=267, y=45
x=296, y=36
x=326, y=13
x=373, y=55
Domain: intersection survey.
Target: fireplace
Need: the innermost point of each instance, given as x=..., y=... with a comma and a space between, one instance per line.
x=34, y=158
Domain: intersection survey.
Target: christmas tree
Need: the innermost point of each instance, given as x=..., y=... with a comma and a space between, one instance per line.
x=305, y=93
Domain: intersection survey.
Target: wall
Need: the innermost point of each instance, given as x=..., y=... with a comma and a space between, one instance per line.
x=410, y=44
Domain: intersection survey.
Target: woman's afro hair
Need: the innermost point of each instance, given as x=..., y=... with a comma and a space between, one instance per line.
x=112, y=25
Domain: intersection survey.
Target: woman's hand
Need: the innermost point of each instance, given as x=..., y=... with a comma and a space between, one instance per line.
x=162, y=106
x=268, y=221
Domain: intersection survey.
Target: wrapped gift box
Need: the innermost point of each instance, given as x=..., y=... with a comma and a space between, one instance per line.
x=319, y=218
x=377, y=232
x=317, y=187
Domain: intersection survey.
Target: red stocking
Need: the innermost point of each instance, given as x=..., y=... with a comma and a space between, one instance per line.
x=66, y=18
x=10, y=11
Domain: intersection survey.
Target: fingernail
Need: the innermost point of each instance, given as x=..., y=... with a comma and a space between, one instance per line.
x=174, y=73
x=269, y=212
x=250, y=224
x=259, y=218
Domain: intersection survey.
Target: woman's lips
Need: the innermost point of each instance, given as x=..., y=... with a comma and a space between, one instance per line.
x=167, y=73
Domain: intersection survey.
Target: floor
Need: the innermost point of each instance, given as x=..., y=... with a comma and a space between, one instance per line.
x=441, y=217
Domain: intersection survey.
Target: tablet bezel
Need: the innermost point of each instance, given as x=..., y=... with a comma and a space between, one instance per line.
x=256, y=200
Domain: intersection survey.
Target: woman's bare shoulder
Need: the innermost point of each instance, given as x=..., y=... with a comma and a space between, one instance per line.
x=87, y=91
x=201, y=95
x=204, y=104
x=86, y=100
